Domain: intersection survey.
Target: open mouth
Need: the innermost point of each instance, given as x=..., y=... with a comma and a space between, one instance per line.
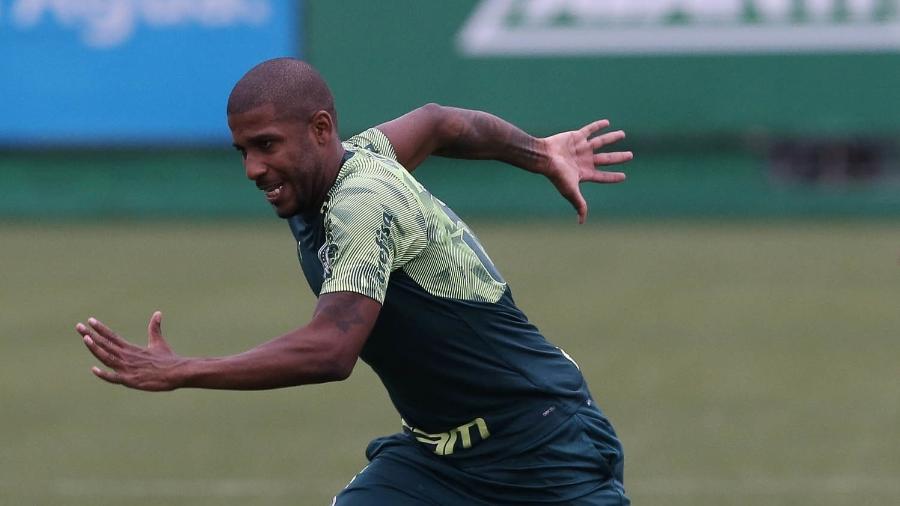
x=273, y=191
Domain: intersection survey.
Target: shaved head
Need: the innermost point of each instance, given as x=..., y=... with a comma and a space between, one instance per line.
x=293, y=87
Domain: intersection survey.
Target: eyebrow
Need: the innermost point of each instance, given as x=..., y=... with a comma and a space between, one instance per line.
x=263, y=137
x=256, y=139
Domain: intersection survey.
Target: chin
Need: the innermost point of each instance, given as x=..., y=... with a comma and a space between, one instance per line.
x=287, y=208
x=284, y=212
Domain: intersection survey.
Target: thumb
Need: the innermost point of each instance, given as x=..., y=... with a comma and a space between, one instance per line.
x=582, y=211
x=154, y=330
x=580, y=205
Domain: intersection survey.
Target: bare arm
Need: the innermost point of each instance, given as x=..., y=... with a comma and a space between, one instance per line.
x=324, y=350
x=461, y=133
x=566, y=158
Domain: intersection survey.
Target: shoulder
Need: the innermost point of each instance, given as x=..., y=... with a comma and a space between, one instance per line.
x=372, y=188
x=367, y=174
x=372, y=140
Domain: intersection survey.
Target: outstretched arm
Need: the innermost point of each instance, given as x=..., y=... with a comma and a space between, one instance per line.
x=324, y=350
x=566, y=158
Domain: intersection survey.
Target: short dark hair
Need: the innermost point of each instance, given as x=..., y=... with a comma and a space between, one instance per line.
x=294, y=87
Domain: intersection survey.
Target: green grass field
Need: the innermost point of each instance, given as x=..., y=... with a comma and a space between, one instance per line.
x=742, y=363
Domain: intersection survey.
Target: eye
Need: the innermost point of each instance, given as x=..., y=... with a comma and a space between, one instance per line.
x=242, y=151
x=266, y=145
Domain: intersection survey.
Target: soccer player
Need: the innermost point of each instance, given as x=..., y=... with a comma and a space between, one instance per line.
x=492, y=412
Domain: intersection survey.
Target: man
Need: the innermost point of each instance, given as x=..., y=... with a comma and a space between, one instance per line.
x=491, y=412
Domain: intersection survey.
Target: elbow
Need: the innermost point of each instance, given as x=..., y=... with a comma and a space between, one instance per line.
x=340, y=371
x=448, y=123
x=337, y=367
x=306, y=365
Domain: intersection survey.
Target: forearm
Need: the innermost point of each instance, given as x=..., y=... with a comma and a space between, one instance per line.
x=324, y=350
x=483, y=136
x=290, y=360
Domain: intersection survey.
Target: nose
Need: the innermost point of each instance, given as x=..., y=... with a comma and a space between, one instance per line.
x=254, y=167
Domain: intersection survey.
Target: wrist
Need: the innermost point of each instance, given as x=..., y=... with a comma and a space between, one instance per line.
x=182, y=372
x=540, y=157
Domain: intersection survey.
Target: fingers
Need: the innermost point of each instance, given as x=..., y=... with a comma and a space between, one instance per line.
x=108, y=376
x=104, y=351
x=600, y=176
x=612, y=158
x=95, y=341
x=606, y=139
x=593, y=127
x=128, y=365
x=104, y=355
x=107, y=347
x=106, y=333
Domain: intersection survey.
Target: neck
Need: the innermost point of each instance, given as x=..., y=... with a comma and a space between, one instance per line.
x=331, y=166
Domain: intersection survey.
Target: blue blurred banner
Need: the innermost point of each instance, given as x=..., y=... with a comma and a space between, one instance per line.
x=107, y=72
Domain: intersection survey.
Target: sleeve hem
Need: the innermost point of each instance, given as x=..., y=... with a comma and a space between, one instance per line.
x=339, y=287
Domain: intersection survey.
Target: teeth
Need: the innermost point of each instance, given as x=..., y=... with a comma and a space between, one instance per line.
x=274, y=193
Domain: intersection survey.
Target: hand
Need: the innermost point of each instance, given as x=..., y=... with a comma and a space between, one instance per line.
x=573, y=158
x=147, y=368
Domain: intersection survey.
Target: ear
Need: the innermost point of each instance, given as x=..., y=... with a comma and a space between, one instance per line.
x=322, y=125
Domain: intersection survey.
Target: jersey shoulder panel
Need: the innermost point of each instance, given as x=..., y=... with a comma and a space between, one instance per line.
x=372, y=140
x=452, y=263
x=374, y=225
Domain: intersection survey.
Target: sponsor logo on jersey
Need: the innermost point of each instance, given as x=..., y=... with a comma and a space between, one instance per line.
x=382, y=240
x=595, y=27
x=445, y=443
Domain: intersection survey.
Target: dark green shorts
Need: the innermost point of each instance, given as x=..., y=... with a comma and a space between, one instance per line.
x=579, y=463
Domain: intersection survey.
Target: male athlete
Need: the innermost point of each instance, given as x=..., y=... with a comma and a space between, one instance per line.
x=492, y=413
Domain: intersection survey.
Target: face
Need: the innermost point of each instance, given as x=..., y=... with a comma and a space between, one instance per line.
x=285, y=158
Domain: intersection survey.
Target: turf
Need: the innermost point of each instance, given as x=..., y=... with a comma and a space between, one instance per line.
x=742, y=363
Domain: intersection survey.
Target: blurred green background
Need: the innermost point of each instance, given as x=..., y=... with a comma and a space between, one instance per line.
x=735, y=305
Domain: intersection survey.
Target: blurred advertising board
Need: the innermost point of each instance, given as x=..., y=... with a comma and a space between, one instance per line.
x=585, y=27
x=671, y=69
x=131, y=72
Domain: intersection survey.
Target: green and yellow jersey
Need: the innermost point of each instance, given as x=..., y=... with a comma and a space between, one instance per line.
x=468, y=373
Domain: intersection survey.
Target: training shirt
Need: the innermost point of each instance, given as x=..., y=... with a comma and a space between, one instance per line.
x=468, y=373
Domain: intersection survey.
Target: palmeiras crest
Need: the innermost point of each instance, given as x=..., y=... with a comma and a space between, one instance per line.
x=327, y=253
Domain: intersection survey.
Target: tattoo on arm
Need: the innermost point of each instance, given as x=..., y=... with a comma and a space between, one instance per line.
x=343, y=311
x=485, y=136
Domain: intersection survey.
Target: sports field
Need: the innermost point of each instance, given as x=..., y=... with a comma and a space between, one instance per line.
x=742, y=362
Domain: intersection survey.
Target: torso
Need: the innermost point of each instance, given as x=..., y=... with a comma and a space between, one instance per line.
x=468, y=373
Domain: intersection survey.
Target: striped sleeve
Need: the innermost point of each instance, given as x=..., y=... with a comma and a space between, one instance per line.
x=373, y=226
x=375, y=141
